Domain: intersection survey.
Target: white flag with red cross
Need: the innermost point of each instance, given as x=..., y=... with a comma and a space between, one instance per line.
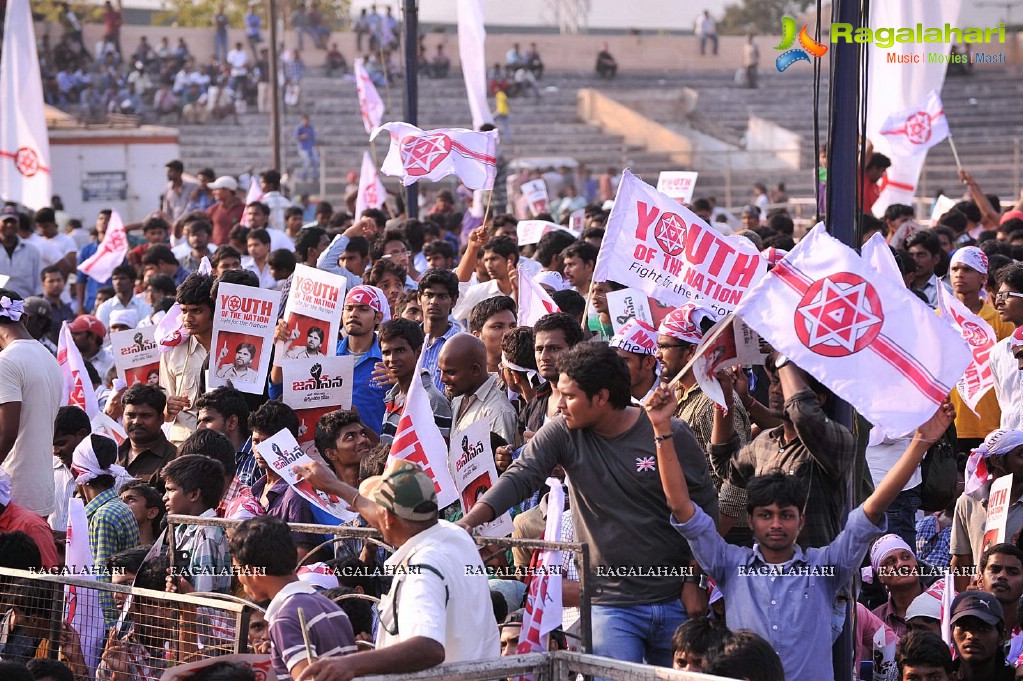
x=918, y=128
x=981, y=339
x=870, y=340
x=372, y=193
x=417, y=154
x=111, y=252
x=419, y=440
x=25, y=160
x=370, y=105
x=543, y=604
x=534, y=301
x=78, y=390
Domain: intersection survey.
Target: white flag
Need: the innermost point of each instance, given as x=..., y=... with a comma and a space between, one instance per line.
x=254, y=194
x=878, y=255
x=78, y=390
x=111, y=252
x=534, y=301
x=370, y=105
x=980, y=337
x=417, y=154
x=372, y=193
x=418, y=439
x=25, y=175
x=918, y=128
x=543, y=605
x=869, y=339
x=662, y=248
x=82, y=609
x=472, y=38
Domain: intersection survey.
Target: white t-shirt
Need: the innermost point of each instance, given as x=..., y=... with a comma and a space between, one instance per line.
x=29, y=374
x=51, y=251
x=469, y=296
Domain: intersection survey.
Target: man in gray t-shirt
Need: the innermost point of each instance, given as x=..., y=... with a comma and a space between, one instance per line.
x=607, y=449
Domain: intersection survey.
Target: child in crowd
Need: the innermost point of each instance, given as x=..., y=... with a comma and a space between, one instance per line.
x=194, y=484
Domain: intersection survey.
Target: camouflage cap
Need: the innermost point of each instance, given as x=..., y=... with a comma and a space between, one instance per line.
x=404, y=490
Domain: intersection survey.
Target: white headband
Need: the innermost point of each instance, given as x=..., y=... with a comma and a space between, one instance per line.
x=13, y=309
x=531, y=374
x=85, y=464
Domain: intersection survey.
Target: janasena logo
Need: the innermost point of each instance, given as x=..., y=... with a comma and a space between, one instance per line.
x=808, y=46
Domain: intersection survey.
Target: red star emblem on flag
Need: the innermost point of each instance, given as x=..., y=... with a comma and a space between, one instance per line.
x=669, y=233
x=839, y=315
x=421, y=155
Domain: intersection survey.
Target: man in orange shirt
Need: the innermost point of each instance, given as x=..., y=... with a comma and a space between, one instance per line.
x=227, y=211
x=14, y=518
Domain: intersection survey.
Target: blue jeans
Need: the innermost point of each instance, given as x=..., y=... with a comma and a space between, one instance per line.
x=637, y=633
x=901, y=515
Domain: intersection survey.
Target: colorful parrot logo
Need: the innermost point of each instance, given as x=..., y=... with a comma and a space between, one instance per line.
x=807, y=44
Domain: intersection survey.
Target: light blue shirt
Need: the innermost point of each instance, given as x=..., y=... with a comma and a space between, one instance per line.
x=431, y=353
x=789, y=604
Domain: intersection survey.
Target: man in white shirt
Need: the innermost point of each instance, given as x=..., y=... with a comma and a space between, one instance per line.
x=123, y=280
x=259, y=218
x=707, y=29
x=259, y=244
x=1005, y=367
x=270, y=183
x=54, y=248
x=238, y=59
x=19, y=259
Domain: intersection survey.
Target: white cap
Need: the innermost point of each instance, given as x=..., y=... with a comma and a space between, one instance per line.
x=225, y=182
x=924, y=605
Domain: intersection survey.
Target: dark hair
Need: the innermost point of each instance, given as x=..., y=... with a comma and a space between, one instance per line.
x=125, y=270
x=239, y=233
x=1012, y=275
x=352, y=573
x=702, y=205
x=153, y=500
x=193, y=472
x=19, y=551
x=70, y=421
x=271, y=177
x=142, y=394
x=438, y=277
x=324, y=208
x=1005, y=549
x=517, y=344
x=272, y=416
x=358, y=244
x=415, y=233
x=129, y=560
x=227, y=402
x=52, y=269
x=158, y=254
x=879, y=161
x=292, y=210
x=406, y=298
x=595, y=367
x=593, y=233
x=260, y=235
x=745, y=655
x=155, y=222
x=698, y=635
x=248, y=347
x=895, y=211
x=282, y=259
x=550, y=244
x=240, y=277
x=402, y=328
x=44, y=668
x=922, y=649
x=783, y=241
x=15, y=671
x=196, y=289
x=775, y=487
x=377, y=215
x=486, y=309
x=308, y=238
x=384, y=267
x=954, y=219
x=200, y=225
x=212, y=444
x=359, y=610
x=781, y=223
x=163, y=283
x=265, y=542
x=329, y=426
x=570, y=302
x=224, y=671
x=560, y=321
x=225, y=251
x=583, y=250
x=925, y=239
x=502, y=219
x=439, y=247
x=153, y=573
x=377, y=250
x=970, y=210
x=503, y=246
x=1010, y=226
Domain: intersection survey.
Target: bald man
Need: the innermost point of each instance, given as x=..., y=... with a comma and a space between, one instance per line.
x=474, y=392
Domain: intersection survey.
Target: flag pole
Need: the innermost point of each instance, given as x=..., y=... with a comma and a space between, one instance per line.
x=411, y=95
x=955, y=152
x=726, y=323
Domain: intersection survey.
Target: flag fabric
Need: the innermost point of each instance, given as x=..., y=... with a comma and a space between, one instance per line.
x=981, y=339
x=82, y=608
x=370, y=105
x=254, y=194
x=654, y=244
x=534, y=301
x=878, y=254
x=905, y=85
x=869, y=339
x=918, y=128
x=417, y=154
x=111, y=252
x=372, y=193
x=472, y=38
x=78, y=390
x=419, y=440
x=170, y=331
x=543, y=604
x=25, y=159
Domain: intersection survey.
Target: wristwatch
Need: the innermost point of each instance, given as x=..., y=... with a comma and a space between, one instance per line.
x=781, y=361
x=701, y=580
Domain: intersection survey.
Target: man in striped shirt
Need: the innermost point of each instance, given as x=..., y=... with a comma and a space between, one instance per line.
x=265, y=554
x=401, y=342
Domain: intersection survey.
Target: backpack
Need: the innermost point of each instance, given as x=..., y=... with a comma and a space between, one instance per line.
x=940, y=473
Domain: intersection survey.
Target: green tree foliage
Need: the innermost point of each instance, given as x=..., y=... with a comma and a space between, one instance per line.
x=762, y=16
x=201, y=12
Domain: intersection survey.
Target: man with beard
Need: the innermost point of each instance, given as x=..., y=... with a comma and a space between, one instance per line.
x=313, y=345
x=239, y=371
x=1001, y=575
x=474, y=392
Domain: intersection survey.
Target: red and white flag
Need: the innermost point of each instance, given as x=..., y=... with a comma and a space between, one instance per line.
x=419, y=440
x=870, y=340
x=78, y=390
x=543, y=604
x=534, y=301
x=917, y=129
x=372, y=193
x=417, y=154
x=662, y=248
x=24, y=145
x=370, y=105
x=111, y=252
x=82, y=608
x=878, y=255
x=978, y=334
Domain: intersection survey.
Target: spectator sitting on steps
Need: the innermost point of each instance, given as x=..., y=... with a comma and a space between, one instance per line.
x=607, y=67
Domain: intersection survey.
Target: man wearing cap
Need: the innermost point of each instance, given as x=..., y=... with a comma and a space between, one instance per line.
x=977, y=625
x=968, y=276
x=677, y=337
x=439, y=606
x=174, y=201
x=636, y=343
x=89, y=333
x=924, y=613
x=227, y=211
x=125, y=298
x=19, y=259
x=123, y=320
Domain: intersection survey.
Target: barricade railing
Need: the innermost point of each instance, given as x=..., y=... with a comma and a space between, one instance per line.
x=342, y=533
